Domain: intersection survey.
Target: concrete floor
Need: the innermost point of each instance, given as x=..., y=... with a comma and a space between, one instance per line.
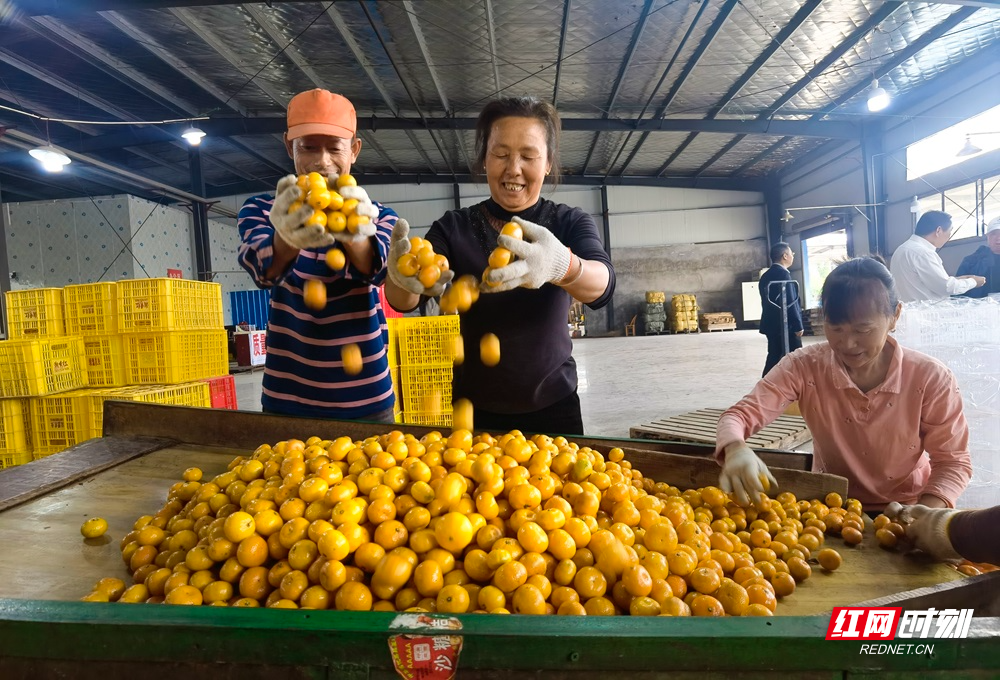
x=635, y=380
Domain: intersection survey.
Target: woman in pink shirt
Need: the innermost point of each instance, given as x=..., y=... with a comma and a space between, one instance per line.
x=874, y=408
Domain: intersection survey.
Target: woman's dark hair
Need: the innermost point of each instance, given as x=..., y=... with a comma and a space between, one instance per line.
x=519, y=107
x=861, y=279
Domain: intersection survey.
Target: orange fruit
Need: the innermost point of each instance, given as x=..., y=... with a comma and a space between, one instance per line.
x=513, y=229
x=350, y=356
x=784, y=584
x=353, y=596
x=453, y=531
x=346, y=180
x=453, y=599
x=489, y=349
x=314, y=292
x=734, y=598
x=94, y=527
x=706, y=605
x=829, y=558
x=528, y=599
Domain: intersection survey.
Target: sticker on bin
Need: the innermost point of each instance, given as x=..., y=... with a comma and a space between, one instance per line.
x=416, y=620
x=425, y=657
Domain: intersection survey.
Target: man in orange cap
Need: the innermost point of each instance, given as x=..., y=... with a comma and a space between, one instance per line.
x=304, y=374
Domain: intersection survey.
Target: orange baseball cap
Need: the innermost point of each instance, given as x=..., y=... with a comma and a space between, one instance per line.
x=320, y=112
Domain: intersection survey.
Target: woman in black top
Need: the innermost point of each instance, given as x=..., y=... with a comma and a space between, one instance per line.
x=533, y=388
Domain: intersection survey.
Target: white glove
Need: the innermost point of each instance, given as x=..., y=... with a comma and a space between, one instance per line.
x=365, y=207
x=926, y=528
x=292, y=228
x=399, y=245
x=542, y=258
x=741, y=474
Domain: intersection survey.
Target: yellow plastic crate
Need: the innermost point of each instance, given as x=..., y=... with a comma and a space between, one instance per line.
x=176, y=357
x=11, y=459
x=91, y=308
x=442, y=419
x=35, y=313
x=426, y=341
x=188, y=394
x=105, y=360
x=146, y=305
x=15, y=443
x=59, y=422
x=419, y=383
x=30, y=368
x=392, y=350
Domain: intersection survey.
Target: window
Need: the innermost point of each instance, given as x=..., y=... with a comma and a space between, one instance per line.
x=971, y=206
x=821, y=254
x=932, y=202
x=991, y=198
x=961, y=204
x=971, y=138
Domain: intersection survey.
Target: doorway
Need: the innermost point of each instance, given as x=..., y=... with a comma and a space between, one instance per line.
x=820, y=254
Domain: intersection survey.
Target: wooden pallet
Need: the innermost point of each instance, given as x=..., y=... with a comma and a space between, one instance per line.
x=712, y=327
x=699, y=426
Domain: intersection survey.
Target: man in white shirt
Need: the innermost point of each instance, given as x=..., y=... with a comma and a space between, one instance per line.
x=918, y=269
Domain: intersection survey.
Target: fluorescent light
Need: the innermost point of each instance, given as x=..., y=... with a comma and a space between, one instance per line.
x=878, y=98
x=193, y=135
x=51, y=158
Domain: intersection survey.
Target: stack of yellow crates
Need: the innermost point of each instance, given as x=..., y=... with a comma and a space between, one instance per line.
x=151, y=340
x=172, y=330
x=39, y=359
x=421, y=362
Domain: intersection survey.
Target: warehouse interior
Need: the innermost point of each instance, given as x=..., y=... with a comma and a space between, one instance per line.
x=695, y=133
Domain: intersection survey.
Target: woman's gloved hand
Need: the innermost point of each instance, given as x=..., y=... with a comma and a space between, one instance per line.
x=541, y=259
x=399, y=245
x=745, y=475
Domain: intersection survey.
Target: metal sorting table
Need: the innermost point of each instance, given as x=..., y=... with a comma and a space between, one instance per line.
x=45, y=567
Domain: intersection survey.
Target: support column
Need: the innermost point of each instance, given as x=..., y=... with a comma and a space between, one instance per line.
x=4, y=269
x=873, y=160
x=457, y=194
x=199, y=212
x=773, y=211
x=606, y=228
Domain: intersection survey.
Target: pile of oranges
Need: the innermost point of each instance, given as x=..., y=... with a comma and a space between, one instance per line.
x=422, y=262
x=501, y=257
x=468, y=523
x=330, y=209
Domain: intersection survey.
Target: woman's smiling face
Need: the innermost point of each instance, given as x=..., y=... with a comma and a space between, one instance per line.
x=858, y=342
x=517, y=161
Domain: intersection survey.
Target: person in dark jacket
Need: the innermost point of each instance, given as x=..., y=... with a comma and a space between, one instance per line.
x=770, y=302
x=985, y=262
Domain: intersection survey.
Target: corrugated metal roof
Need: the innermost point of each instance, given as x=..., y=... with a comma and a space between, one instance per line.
x=419, y=71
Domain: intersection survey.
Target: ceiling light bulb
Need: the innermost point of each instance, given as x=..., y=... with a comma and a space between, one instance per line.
x=193, y=135
x=51, y=158
x=878, y=98
x=969, y=149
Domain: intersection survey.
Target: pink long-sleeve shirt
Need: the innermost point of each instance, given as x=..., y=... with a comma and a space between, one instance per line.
x=876, y=439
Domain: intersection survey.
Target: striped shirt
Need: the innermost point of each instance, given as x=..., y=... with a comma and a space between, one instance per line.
x=303, y=374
